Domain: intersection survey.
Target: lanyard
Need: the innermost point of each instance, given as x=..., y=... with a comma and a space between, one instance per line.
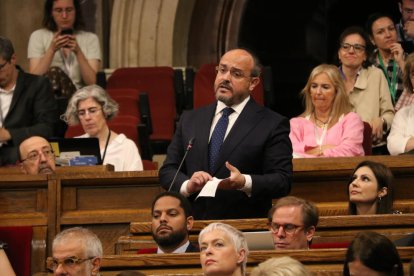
x=392, y=84
x=106, y=145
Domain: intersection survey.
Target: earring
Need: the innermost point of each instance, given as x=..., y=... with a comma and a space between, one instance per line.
x=379, y=198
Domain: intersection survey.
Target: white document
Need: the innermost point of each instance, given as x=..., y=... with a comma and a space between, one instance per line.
x=209, y=190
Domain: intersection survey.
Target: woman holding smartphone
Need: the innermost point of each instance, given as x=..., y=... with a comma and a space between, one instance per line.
x=63, y=46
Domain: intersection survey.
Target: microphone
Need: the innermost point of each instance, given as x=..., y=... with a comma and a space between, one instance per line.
x=189, y=146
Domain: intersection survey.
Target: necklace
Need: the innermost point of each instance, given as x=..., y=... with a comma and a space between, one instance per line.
x=324, y=123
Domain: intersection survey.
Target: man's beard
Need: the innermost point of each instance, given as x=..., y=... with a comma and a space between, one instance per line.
x=171, y=240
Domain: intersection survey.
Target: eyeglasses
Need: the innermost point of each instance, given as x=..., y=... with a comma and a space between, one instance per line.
x=69, y=262
x=289, y=228
x=357, y=47
x=60, y=11
x=408, y=11
x=91, y=111
x=35, y=155
x=234, y=72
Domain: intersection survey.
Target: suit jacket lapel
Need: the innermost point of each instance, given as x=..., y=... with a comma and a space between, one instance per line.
x=246, y=121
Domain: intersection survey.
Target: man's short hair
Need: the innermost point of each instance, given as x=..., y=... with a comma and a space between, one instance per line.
x=93, y=246
x=184, y=203
x=310, y=213
x=6, y=48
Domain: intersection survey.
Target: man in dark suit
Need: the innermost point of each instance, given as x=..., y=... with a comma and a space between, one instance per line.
x=27, y=105
x=171, y=221
x=255, y=157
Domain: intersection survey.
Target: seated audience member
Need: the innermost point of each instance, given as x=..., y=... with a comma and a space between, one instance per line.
x=5, y=266
x=370, y=189
x=401, y=138
x=327, y=127
x=93, y=107
x=76, y=251
x=63, y=47
x=372, y=254
x=36, y=156
x=223, y=250
x=282, y=266
x=407, y=96
x=366, y=85
x=389, y=55
x=27, y=105
x=171, y=222
x=293, y=222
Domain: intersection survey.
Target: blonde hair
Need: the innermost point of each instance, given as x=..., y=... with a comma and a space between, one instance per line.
x=236, y=237
x=283, y=266
x=341, y=104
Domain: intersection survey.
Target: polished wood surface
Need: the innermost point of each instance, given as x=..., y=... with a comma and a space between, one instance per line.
x=330, y=229
x=107, y=201
x=319, y=261
x=326, y=179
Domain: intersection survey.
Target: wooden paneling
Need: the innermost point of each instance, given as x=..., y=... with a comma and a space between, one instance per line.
x=326, y=179
x=106, y=202
x=330, y=229
x=320, y=261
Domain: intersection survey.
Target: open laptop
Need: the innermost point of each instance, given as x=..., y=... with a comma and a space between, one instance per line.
x=261, y=240
x=84, y=146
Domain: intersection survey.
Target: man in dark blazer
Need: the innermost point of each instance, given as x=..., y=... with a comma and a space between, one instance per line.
x=171, y=223
x=255, y=157
x=27, y=105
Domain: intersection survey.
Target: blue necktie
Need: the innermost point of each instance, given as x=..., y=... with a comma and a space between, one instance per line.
x=217, y=137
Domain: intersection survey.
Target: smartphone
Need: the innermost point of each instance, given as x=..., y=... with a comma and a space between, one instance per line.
x=66, y=32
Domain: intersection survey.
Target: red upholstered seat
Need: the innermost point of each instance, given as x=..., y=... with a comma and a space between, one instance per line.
x=158, y=83
x=19, y=240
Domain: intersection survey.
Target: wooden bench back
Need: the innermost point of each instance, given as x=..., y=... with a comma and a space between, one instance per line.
x=331, y=229
x=319, y=261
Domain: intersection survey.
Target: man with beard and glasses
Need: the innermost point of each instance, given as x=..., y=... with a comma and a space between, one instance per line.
x=36, y=156
x=171, y=222
x=234, y=139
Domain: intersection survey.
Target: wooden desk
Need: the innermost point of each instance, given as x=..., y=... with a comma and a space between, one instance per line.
x=326, y=179
x=319, y=261
x=29, y=201
x=331, y=229
x=64, y=169
x=106, y=203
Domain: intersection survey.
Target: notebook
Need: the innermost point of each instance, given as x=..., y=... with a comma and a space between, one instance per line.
x=84, y=146
x=262, y=240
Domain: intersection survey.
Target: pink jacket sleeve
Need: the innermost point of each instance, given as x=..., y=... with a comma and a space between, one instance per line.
x=350, y=140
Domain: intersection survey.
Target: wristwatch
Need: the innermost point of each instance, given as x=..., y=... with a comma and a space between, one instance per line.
x=3, y=245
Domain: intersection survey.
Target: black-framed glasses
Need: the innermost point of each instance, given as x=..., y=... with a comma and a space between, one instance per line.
x=35, y=155
x=288, y=228
x=70, y=262
x=91, y=111
x=357, y=47
x=4, y=64
x=234, y=72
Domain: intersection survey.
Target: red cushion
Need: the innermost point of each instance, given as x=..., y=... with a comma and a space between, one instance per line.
x=19, y=240
x=147, y=251
x=330, y=245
